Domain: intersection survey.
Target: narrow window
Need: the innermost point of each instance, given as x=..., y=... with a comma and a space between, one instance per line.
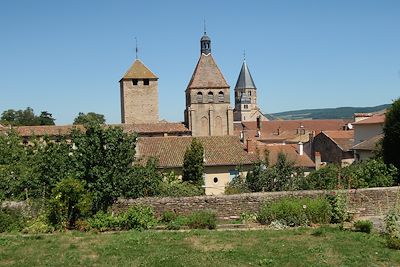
x=210, y=97
x=146, y=82
x=249, y=93
x=221, y=97
x=199, y=98
x=246, y=106
x=134, y=81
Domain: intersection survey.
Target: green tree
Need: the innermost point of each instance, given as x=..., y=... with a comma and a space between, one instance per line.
x=103, y=157
x=90, y=117
x=46, y=118
x=193, y=163
x=391, y=139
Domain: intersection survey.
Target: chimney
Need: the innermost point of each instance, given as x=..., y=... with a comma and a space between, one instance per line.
x=300, y=149
x=259, y=125
x=251, y=146
x=317, y=160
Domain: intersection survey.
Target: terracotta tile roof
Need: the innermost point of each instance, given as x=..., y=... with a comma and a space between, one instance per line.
x=369, y=144
x=344, y=139
x=139, y=71
x=49, y=130
x=145, y=128
x=170, y=151
x=291, y=153
x=288, y=130
x=207, y=74
x=376, y=119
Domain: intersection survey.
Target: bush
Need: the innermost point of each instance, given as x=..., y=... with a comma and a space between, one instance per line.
x=392, y=227
x=338, y=202
x=177, y=223
x=137, y=217
x=39, y=225
x=168, y=216
x=11, y=220
x=363, y=226
x=393, y=242
x=294, y=211
x=205, y=219
x=172, y=186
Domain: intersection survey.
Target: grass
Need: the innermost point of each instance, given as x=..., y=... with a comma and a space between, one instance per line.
x=293, y=247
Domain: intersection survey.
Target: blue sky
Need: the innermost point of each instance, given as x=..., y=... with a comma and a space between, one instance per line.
x=68, y=56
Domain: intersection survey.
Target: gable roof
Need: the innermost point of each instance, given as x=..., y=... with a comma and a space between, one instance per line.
x=245, y=80
x=139, y=71
x=142, y=128
x=375, y=119
x=344, y=139
x=170, y=151
x=289, y=150
x=207, y=74
x=369, y=144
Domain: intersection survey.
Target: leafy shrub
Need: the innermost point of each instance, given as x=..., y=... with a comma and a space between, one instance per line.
x=139, y=217
x=39, y=225
x=393, y=242
x=11, y=220
x=172, y=186
x=82, y=225
x=295, y=211
x=246, y=217
x=205, y=219
x=70, y=201
x=324, y=178
x=168, y=216
x=177, y=223
x=363, y=226
x=338, y=202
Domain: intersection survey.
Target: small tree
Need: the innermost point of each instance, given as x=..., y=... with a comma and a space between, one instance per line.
x=90, y=117
x=193, y=163
x=391, y=139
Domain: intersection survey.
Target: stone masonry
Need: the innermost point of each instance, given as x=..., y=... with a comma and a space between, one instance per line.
x=366, y=202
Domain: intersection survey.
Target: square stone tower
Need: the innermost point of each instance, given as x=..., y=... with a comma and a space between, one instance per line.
x=208, y=111
x=139, y=95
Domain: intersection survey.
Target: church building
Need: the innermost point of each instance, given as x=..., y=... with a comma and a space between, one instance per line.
x=208, y=111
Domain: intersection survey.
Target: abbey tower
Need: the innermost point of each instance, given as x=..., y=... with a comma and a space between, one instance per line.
x=208, y=111
x=139, y=95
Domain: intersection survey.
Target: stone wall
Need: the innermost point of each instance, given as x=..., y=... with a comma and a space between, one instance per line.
x=368, y=202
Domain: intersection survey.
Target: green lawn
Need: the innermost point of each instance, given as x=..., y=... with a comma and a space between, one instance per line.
x=294, y=247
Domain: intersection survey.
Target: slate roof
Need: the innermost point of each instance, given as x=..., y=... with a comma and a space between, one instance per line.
x=290, y=151
x=344, y=139
x=207, y=74
x=149, y=128
x=170, y=151
x=369, y=144
x=375, y=119
x=139, y=71
x=245, y=81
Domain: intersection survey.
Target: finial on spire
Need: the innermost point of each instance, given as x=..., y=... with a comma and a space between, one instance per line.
x=137, y=49
x=244, y=54
x=205, y=29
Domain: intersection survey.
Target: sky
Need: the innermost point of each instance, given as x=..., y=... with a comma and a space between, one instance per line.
x=67, y=57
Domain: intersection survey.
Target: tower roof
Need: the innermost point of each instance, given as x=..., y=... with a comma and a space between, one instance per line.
x=139, y=71
x=245, y=81
x=207, y=74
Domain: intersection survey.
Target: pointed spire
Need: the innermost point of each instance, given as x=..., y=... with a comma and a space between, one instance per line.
x=245, y=81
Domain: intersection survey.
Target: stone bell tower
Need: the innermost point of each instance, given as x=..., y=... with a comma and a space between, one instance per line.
x=208, y=110
x=139, y=95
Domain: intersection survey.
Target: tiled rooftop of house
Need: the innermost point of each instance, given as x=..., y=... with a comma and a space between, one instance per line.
x=170, y=151
x=144, y=128
x=344, y=139
x=375, y=119
x=369, y=144
x=290, y=150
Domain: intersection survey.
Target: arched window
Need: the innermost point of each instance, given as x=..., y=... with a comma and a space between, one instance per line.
x=210, y=97
x=221, y=97
x=199, y=97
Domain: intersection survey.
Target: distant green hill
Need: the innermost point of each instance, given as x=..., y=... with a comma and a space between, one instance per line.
x=324, y=113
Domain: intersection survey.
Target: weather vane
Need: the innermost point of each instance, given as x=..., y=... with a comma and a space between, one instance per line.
x=205, y=30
